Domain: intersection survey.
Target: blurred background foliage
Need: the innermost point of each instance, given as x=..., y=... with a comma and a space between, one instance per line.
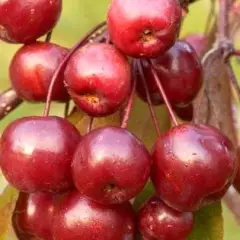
x=77, y=17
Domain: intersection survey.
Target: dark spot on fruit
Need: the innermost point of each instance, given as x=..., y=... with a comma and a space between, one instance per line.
x=148, y=35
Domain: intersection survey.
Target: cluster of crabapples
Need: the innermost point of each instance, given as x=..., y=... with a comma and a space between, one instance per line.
x=79, y=187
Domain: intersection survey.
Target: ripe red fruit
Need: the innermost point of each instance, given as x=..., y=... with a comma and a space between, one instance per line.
x=32, y=69
x=144, y=28
x=98, y=78
x=191, y=163
x=36, y=153
x=158, y=221
x=32, y=215
x=78, y=217
x=184, y=112
x=236, y=182
x=198, y=42
x=180, y=72
x=25, y=21
x=110, y=165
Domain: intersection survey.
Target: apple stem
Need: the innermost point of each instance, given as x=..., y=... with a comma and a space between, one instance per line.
x=129, y=106
x=149, y=101
x=108, y=40
x=48, y=37
x=164, y=96
x=66, y=108
x=90, y=124
x=64, y=62
x=235, y=53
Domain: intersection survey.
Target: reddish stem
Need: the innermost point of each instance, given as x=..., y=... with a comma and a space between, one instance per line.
x=129, y=106
x=164, y=96
x=108, y=40
x=149, y=101
x=236, y=53
x=63, y=64
x=9, y=101
x=66, y=108
x=48, y=37
x=90, y=124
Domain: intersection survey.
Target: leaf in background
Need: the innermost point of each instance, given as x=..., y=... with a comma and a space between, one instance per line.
x=140, y=122
x=81, y=121
x=213, y=105
x=142, y=197
x=8, y=198
x=208, y=223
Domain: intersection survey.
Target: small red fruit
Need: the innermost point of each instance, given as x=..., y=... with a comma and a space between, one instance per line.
x=236, y=182
x=144, y=28
x=32, y=215
x=110, y=165
x=98, y=79
x=32, y=69
x=23, y=21
x=180, y=72
x=158, y=221
x=192, y=163
x=36, y=153
x=77, y=217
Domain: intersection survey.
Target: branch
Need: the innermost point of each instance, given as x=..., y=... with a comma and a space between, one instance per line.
x=223, y=20
x=232, y=200
x=9, y=101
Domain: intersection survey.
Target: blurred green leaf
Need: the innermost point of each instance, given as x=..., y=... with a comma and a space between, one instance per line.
x=142, y=197
x=8, y=198
x=208, y=223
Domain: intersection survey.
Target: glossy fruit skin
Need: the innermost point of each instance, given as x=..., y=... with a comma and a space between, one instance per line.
x=78, y=217
x=25, y=21
x=236, y=182
x=36, y=153
x=184, y=112
x=191, y=163
x=158, y=221
x=98, y=79
x=180, y=72
x=198, y=42
x=147, y=30
x=31, y=71
x=110, y=165
x=32, y=215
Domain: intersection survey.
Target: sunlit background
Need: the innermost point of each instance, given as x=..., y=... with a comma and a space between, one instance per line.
x=77, y=17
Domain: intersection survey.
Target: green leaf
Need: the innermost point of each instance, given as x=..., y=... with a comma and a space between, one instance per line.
x=208, y=223
x=8, y=198
x=82, y=121
x=142, y=197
